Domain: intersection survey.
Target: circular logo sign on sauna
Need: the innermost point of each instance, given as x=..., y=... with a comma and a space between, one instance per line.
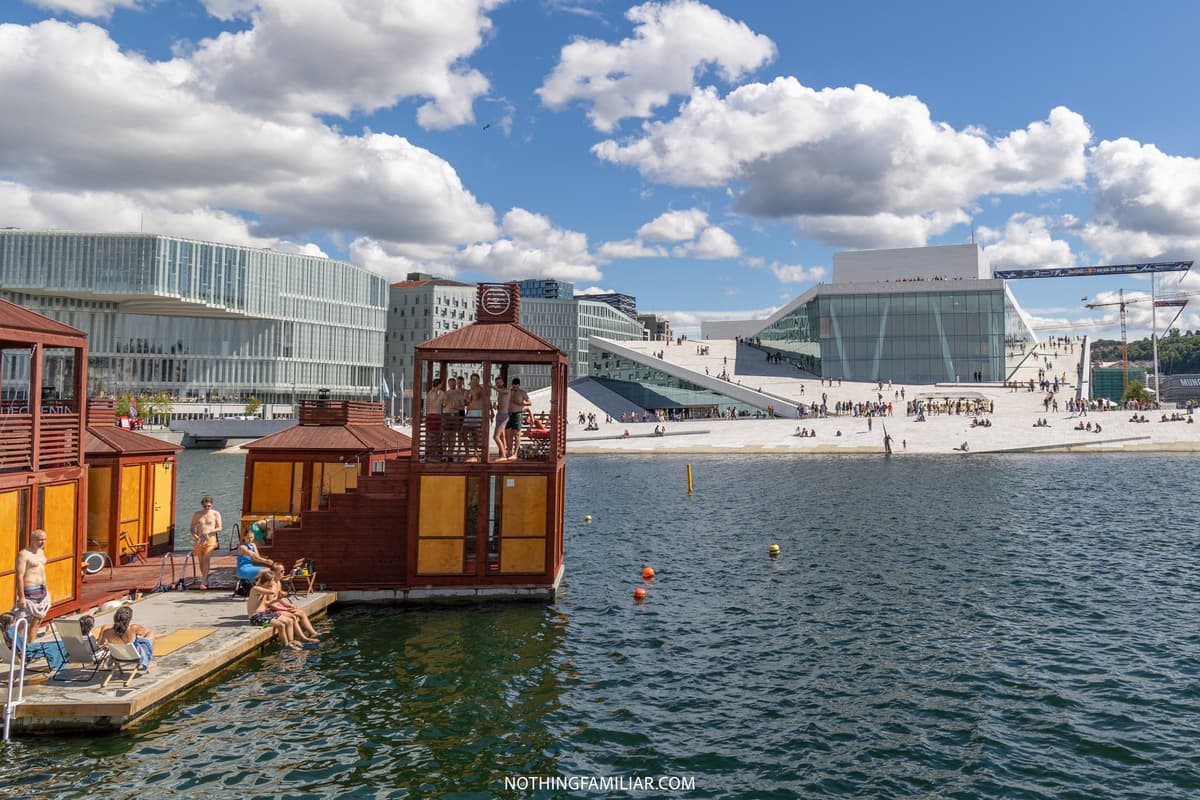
x=496, y=300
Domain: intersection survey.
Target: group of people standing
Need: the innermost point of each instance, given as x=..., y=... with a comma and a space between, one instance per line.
x=455, y=416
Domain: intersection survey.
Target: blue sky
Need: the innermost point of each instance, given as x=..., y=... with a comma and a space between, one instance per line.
x=708, y=158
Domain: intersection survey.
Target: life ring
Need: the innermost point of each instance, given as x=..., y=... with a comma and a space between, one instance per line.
x=94, y=561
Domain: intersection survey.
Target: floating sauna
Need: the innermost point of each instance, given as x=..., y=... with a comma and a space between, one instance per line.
x=452, y=521
x=301, y=468
x=43, y=379
x=131, y=488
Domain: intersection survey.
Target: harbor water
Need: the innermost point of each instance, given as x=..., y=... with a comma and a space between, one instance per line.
x=1017, y=627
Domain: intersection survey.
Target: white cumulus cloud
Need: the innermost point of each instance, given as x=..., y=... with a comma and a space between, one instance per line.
x=674, y=226
x=532, y=247
x=87, y=8
x=95, y=121
x=1146, y=203
x=337, y=56
x=673, y=43
x=851, y=154
x=1026, y=241
x=796, y=273
x=712, y=244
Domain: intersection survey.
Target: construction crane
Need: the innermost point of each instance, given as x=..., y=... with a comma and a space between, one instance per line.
x=1177, y=301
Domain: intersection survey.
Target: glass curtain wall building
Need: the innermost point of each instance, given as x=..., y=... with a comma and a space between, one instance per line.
x=567, y=324
x=201, y=319
x=943, y=332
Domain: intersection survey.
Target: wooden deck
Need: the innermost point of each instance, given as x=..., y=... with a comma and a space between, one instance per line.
x=56, y=706
x=98, y=589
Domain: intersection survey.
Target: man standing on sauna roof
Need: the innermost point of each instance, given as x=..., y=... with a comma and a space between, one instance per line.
x=206, y=524
x=502, y=397
x=518, y=402
x=433, y=419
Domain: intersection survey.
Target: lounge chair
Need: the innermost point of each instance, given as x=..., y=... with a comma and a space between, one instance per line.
x=124, y=659
x=82, y=650
x=32, y=654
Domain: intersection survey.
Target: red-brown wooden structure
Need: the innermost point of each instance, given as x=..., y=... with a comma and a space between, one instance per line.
x=131, y=488
x=451, y=519
x=43, y=483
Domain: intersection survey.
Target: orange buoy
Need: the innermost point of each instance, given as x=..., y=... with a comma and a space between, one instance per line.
x=639, y=594
x=648, y=574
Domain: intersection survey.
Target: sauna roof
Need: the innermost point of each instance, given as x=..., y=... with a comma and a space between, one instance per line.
x=14, y=317
x=479, y=337
x=336, y=438
x=118, y=441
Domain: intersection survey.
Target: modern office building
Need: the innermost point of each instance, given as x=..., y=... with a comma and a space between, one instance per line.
x=918, y=316
x=657, y=328
x=201, y=319
x=419, y=309
x=546, y=289
x=567, y=324
x=625, y=303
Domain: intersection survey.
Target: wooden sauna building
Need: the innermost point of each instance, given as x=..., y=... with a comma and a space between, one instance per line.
x=131, y=489
x=43, y=482
x=455, y=520
x=332, y=448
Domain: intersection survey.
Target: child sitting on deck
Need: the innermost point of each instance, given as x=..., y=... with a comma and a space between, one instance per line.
x=259, y=612
x=280, y=604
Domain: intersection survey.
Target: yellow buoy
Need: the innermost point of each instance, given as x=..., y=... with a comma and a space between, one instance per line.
x=773, y=551
x=587, y=518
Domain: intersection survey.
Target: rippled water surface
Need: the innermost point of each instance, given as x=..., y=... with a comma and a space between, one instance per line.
x=1020, y=627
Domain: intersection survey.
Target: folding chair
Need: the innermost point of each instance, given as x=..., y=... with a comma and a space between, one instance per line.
x=301, y=578
x=136, y=549
x=124, y=659
x=82, y=650
x=30, y=654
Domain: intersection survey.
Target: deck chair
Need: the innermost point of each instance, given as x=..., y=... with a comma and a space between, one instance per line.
x=32, y=654
x=82, y=650
x=122, y=658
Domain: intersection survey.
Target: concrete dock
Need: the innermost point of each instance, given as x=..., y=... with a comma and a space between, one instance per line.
x=219, y=636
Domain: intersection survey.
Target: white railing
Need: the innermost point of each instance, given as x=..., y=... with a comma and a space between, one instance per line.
x=16, y=654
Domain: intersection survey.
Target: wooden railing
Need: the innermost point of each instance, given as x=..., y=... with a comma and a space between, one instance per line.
x=456, y=442
x=340, y=412
x=60, y=444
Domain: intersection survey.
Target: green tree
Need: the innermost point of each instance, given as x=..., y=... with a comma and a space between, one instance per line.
x=1135, y=391
x=122, y=405
x=158, y=406
x=253, y=406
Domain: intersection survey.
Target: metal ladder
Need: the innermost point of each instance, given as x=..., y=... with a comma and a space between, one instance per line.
x=11, y=703
x=162, y=568
x=190, y=558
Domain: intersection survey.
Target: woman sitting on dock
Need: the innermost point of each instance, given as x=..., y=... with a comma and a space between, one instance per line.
x=125, y=630
x=250, y=564
x=259, y=612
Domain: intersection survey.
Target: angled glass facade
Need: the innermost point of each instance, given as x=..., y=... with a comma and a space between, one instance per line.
x=202, y=319
x=942, y=333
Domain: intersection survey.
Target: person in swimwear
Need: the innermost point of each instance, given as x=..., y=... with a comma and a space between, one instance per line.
x=502, y=403
x=206, y=525
x=280, y=604
x=124, y=629
x=249, y=562
x=33, y=597
x=473, y=422
x=261, y=595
